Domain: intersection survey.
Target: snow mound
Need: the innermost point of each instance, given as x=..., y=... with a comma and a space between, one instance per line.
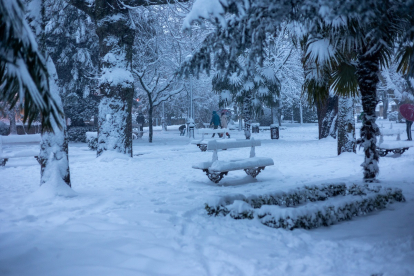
x=109, y=156
x=53, y=187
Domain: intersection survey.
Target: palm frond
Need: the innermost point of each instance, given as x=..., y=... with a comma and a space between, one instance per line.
x=405, y=60
x=344, y=80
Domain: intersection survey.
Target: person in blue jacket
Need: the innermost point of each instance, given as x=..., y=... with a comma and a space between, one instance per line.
x=215, y=121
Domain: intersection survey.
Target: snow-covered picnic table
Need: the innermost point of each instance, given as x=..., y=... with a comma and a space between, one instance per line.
x=19, y=146
x=217, y=169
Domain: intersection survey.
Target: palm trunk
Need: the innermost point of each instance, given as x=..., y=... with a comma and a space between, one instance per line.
x=346, y=125
x=116, y=37
x=327, y=112
x=367, y=69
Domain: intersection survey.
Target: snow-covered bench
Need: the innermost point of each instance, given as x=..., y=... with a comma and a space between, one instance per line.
x=383, y=148
x=217, y=169
x=390, y=132
x=263, y=128
x=18, y=146
x=202, y=143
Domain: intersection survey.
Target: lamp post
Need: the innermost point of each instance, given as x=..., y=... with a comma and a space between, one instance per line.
x=190, y=121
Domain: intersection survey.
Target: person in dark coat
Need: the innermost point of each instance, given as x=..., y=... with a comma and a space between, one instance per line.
x=141, y=121
x=182, y=130
x=408, y=125
x=215, y=121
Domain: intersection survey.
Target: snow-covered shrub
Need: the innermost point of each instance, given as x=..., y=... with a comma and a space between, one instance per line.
x=327, y=205
x=4, y=128
x=92, y=140
x=393, y=116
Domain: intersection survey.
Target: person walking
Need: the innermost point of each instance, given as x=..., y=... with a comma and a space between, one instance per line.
x=141, y=121
x=215, y=121
x=223, y=120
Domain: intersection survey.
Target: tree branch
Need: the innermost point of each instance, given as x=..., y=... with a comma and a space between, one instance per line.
x=83, y=6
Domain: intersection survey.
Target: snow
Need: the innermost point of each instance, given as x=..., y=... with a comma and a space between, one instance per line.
x=145, y=215
x=232, y=165
x=205, y=9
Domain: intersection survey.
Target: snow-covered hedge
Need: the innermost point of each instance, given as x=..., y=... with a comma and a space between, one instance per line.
x=77, y=133
x=325, y=205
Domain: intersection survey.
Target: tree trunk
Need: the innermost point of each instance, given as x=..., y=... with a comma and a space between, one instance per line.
x=116, y=84
x=247, y=113
x=367, y=69
x=12, y=118
x=385, y=102
x=54, y=151
x=150, y=128
x=346, y=125
x=274, y=115
x=326, y=112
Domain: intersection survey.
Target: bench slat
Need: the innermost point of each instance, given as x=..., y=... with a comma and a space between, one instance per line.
x=211, y=131
x=254, y=162
x=230, y=143
x=24, y=139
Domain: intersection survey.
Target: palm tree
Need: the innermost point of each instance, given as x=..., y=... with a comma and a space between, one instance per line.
x=360, y=47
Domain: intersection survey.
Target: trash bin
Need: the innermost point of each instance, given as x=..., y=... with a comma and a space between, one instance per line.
x=255, y=128
x=274, y=132
x=191, y=130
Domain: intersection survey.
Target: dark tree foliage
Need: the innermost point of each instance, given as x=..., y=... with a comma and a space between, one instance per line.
x=73, y=45
x=23, y=74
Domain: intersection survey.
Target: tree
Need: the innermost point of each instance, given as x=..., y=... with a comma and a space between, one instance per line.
x=54, y=150
x=72, y=43
x=23, y=73
x=116, y=33
x=249, y=88
x=155, y=61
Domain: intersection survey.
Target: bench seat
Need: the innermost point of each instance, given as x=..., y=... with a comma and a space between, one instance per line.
x=23, y=153
x=234, y=165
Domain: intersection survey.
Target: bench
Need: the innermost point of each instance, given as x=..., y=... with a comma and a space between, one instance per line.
x=16, y=146
x=202, y=143
x=217, y=169
x=396, y=147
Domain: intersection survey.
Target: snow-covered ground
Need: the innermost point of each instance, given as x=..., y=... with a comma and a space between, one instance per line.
x=146, y=216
